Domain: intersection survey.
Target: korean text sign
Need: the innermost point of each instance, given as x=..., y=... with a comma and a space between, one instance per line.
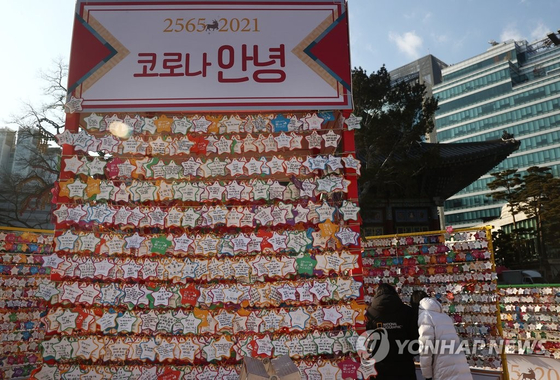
x=204, y=56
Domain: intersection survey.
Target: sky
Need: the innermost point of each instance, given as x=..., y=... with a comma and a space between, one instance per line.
x=36, y=33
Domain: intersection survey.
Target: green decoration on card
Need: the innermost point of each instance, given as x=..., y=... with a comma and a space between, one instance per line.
x=160, y=245
x=306, y=264
x=148, y=166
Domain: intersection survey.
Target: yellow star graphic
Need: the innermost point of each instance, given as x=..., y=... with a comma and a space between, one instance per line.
x=163, y=124
x=64, y=191
x=93, y=187
x=215, y=126
x=361, y=309
x=328, y=228
x=203, y=316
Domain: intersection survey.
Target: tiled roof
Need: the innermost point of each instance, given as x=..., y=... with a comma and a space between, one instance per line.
x=454, y=166
x=463, y=163
x=475, y=150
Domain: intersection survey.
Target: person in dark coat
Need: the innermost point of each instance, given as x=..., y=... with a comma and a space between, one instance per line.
x=389, y=320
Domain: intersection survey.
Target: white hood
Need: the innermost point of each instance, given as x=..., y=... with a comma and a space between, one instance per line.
x=431, y=304
x=436, y=326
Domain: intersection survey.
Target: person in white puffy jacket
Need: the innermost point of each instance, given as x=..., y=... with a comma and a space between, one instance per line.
x=441, y=357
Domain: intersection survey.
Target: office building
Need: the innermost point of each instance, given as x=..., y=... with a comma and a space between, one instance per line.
x=26, y=154
x=7, y=149
x=29, y=144
x=426, y=70
x=513, y=87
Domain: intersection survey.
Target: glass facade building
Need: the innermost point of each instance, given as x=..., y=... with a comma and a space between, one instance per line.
x=426, y=70
x=515, y=87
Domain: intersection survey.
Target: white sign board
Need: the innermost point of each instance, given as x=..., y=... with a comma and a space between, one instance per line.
x=202, y=55
x=533, y=367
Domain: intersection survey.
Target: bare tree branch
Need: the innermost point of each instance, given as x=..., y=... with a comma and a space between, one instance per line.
x=26, y=192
